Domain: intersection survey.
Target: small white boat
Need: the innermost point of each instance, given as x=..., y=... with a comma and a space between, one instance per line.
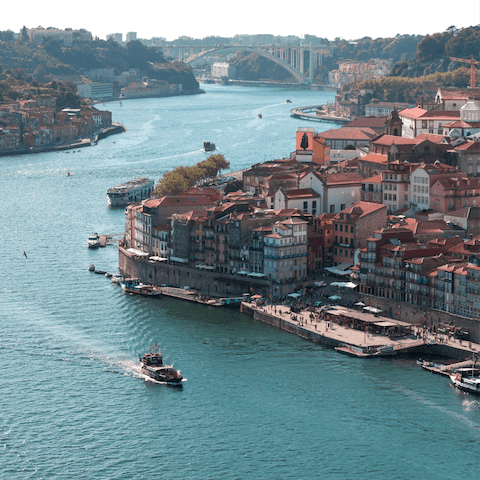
x=116, y=278
x=467, y=379
x=467, y=384
x=93, y=240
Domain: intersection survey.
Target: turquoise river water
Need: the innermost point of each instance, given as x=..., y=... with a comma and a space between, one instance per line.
x=258, y=404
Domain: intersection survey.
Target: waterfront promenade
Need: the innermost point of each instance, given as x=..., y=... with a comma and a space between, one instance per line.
x=325, y=330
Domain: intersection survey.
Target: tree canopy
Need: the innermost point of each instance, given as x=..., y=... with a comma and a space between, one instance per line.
x=182, y=178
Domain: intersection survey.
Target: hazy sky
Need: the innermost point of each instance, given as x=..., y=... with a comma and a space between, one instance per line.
x=349, y=19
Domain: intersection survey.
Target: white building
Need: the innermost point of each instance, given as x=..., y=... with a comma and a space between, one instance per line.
x=131, y=36
x=224, y=69
x=118, y=37
x=95, y=91
x=417, y=121
x=285, y=250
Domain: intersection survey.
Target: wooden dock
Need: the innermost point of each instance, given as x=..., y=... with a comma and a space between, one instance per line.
x=109, y=239
x=446, y=370
x=195, y=297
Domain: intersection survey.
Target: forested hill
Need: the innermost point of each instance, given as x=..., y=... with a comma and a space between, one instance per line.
x=51, y=60
x=434, y=52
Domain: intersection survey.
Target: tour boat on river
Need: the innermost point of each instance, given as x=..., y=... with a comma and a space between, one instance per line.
x=209, y=146
x=132, y=286
x=135, y=190
x=151, y=365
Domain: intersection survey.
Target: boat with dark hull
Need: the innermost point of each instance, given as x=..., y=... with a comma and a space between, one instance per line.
x=151, y=365
x=209, y=146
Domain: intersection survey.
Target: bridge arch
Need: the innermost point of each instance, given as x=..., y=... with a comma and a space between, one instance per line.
x=299, y=76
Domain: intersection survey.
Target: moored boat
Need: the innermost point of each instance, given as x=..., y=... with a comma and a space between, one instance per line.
x=116, y=278
x=209, y=146
x=467, y=384
x=134, y=287
x=93, y=240
x=151, y=365
x=135, y=190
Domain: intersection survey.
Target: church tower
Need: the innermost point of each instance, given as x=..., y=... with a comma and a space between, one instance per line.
x=393, y=124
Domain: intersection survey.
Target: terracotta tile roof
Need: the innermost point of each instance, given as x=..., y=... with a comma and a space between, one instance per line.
x=454, y=93
x=430, y=136
x=265, y=228
x=293, y=221
x=301, y=193
x=413, y=113
x=374, y=179
x=361, y=209
x=468, y=145
x=343, y=178
x=178, y=200
x=200, y=191
x=388, y=140
x=458, y=182
x=371, y=122
x=436, y=114
x=375, y=158
x=467, y=212
x=348, y=133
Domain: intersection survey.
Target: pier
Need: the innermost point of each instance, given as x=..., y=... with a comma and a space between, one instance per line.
x=196, y=297
x=305, y=113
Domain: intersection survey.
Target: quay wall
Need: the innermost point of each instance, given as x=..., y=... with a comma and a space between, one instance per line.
x=273, y=320
x=416, y=314
x=224, y=285
x=211, y=283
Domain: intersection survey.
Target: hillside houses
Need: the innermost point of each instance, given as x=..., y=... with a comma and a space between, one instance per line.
x=34, y=124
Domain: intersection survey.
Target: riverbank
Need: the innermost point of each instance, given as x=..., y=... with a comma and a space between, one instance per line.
x=84, y=142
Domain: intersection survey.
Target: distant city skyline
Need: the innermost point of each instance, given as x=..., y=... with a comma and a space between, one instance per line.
x=348, y=19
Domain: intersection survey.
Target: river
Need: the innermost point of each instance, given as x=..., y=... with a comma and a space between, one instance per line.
x=258, y=403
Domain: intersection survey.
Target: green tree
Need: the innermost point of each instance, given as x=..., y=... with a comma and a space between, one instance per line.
x=24, y=35
x=182, y=178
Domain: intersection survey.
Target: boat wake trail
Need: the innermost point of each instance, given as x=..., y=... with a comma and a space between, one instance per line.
x=429, y=403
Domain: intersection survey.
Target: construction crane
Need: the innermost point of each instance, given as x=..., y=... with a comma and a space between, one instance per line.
x=472, y=63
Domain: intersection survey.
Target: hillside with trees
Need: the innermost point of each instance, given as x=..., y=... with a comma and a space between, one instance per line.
x=434, y=52
x=431, y=66
x=16, y=84
x=52, y=60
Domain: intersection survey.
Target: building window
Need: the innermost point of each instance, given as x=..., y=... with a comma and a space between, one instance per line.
x=305, y=206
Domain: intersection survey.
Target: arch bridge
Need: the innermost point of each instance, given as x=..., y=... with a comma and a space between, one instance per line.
x=296, y=60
